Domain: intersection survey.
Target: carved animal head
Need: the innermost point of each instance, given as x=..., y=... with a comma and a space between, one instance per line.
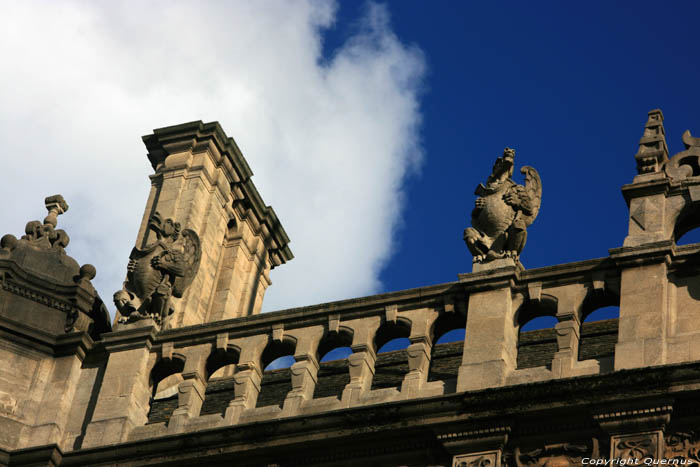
x=167, y=228
x=504, y=164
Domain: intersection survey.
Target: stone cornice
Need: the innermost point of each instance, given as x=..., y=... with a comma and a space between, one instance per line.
x=652, y=253
x=73, y=343
x=647, y=188
x=635, y=416
x=196, y=136
x=61, y=296
x=129, y=339
x=313, y=315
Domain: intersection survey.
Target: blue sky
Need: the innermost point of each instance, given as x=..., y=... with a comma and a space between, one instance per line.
x=568, y=85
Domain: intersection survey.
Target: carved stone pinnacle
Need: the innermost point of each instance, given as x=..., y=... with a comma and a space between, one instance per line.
x=56, y=206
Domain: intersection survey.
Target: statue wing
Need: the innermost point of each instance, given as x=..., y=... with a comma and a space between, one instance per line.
x=533, y=187
x=192, y=254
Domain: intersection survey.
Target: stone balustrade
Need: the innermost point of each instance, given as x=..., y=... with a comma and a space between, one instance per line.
x=491, y=305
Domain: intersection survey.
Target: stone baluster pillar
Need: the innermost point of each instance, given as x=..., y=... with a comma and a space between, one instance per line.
x=568, y=330
x=123, y=401
x=419, y=351
x=305, y=369
x=247, y=378
x=491, y=341
x=190, y=392
x=362, y=360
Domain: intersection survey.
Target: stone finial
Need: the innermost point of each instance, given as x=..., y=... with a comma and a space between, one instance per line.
x=653, y=151
x=56, y=206
x=689, y=141
x=502, y=212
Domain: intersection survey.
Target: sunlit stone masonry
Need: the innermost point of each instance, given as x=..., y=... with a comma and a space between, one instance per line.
x=190, y=373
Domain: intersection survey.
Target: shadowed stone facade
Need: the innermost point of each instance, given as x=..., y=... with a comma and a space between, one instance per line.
x=184, y=381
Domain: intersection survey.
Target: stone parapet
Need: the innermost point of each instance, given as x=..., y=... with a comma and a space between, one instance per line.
x=490, y=305
x=129, y=369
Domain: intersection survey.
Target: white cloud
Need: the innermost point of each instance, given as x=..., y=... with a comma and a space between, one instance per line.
x=329, y=141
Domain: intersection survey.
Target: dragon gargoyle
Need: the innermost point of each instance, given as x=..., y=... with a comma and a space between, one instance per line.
x=503, y=211
x=161, y=270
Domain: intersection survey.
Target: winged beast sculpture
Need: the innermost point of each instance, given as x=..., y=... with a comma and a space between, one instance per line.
x=503, y=211
x=158, y=272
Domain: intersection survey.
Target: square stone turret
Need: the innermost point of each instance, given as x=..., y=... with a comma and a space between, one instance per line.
x=202, y=186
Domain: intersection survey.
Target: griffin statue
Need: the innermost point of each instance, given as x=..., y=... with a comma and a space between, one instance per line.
x=503, y=211
x=161, y=270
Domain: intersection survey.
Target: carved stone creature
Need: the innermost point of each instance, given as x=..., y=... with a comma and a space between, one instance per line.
x=503, y=211
x=161, y=270
x=557, y=455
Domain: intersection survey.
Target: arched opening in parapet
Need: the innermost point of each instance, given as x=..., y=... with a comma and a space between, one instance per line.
x=448, y=332
x=687, y=227
x=276, y=381
x=391, y=341
x=541, y=322
x=220, y=368
x=449, y=327
x=537, y=341
x=690, y=237
x=163, y=369
x=334, y=372
x=600, y=315
x=164, y=379
x=222, y=363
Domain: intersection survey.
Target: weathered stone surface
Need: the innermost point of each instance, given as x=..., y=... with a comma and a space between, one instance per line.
x=45, y=288
x=203, y=182
x=197, y=393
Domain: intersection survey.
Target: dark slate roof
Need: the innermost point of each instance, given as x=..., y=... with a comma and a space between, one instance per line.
x=446, y=361
x=333, y=376
x=389, y=369
x=535, y=348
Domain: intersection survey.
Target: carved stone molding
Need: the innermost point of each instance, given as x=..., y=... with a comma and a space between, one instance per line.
x=478, y=459
x=683, y=446
x=36, y=296
x=557, y=455
x=638, y=446
x=476, y=447
x=635, y=418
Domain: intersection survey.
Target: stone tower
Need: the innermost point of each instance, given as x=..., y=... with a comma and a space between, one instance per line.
x=203, y=184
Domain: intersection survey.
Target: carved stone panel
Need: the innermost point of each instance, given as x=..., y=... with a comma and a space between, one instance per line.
x=639, y=446
x=557, y=455
x=478, y=459
x=683, y=447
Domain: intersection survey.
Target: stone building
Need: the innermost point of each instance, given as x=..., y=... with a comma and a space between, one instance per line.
x=180, y=376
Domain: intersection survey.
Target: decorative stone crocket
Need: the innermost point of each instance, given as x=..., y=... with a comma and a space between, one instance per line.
x=503, y=211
